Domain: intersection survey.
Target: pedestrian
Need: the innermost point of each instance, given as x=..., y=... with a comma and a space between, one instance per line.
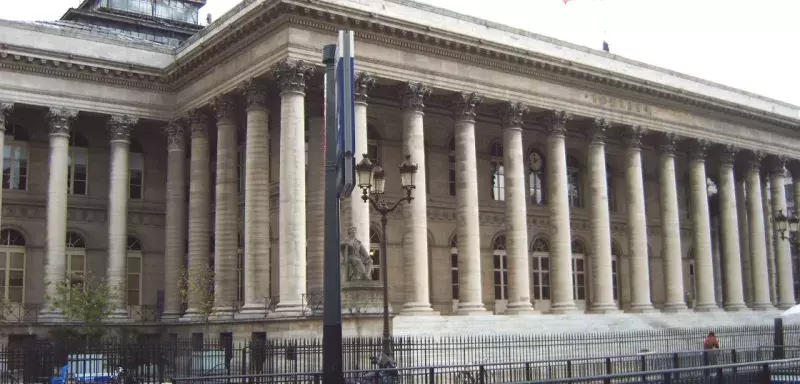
x=711, y=341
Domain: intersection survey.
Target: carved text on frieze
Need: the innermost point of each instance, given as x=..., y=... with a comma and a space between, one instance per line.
x=618, y=104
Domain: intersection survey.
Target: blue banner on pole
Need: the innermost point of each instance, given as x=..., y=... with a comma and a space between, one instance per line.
x=345, y=110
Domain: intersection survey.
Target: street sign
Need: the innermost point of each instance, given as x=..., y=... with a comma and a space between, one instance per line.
x=345, y=112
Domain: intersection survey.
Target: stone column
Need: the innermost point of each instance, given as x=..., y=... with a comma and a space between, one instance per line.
x=356, y=209
x=315, y=196
x=670, y=225
x=467, y=209
x=562, y=297
x=637, y=222
x=783, y=256
x=60, y=122
x=602, y=282
x=120, y=128
x=701, y=222
x=5, y=111
x=226, y=210
x=415, y=213
x=199, y=214
x=769, y=230
x=729, y=230
x=744, y=238
x=519, y=285
x=256, y=200
x=292, y=76
x=759, y=268
x=175, y=222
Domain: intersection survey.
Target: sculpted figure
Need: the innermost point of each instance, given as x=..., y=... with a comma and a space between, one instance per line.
x=356, y=258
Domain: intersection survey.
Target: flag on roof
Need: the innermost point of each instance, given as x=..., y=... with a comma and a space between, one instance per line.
x=566, y=1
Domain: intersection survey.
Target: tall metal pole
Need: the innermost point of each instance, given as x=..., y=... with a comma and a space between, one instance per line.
x=387, y=338
x=332, y=312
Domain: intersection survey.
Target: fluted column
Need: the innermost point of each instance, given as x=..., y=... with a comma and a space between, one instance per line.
x=415, y=216
x=292, y=76
x=356, y=210
x=199, y=211
x=759, y=267
x=670, y=225
x=729, y=230
x=519, y=284
x=226, y=210
x=315, y=192
x=602, y=282
x=60, y=122
x=175, y=221
x=467, y=209
x=744, y=238
x=5, y=111
x=562, y=297
x=783, y=256
x=769, y=231
x=256, y=199
x=701, y=222
x=637, y=222
x=120, y=128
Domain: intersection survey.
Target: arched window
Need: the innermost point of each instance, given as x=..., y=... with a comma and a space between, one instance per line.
x=616, y=253
x=373, y=150
x=375, y=253
x=78, y=176
x=498, y=172
x=454, y=266
x=241, y=280
x=133, y=282
x=574, y=182
x=540, y=268
x=136, y=177
x=579, y=269
x=15, y=158
x=536, y=181
x=451, y=146
x=500, y=266
x=12, y=266
x=612, y=202
x=76, y=258
x=240, y=160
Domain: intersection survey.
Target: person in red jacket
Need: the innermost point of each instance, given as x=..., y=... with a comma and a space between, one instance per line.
x=711, y=341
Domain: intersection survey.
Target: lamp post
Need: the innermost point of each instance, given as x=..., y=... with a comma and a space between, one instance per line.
x=372, y=180
x=785, y=223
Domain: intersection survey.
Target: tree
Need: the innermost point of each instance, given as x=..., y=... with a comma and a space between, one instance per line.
x=85, y=300
x=196, y=287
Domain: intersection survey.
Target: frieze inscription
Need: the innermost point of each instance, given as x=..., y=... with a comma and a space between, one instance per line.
x=618, y=104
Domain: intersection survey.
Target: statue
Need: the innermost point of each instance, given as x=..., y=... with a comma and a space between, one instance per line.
x=356, y=258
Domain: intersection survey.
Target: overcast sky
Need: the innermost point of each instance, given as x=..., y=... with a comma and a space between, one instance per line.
x=747, y=44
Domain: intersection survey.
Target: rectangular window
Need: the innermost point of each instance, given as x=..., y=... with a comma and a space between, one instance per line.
x=78, y=175
x=541, y=277
x=614, y=284
x=240, y=167
x=454, y=273
x=136, y=184
x=498, y=181
x=133, y=282
x=12, y=276
x=579, y=278
x=375, y=253
x=452, y=175
x=612, y=206
x=15, y=167
x=240, y=276
x=500, y=277
x=76, y=266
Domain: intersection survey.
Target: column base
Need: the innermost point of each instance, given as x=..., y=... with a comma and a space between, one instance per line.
x=471, y=309
x=785, y=305
x=736, y=307
x=288, y=309
x=564, y=308
x=710, y=307
x=222, y=313
x=251, y=311
x=417, y=309
x=641, y=308
x=762, y=307
x=520, y=308
x=604, y=309
x=170, y=316
x=119, y=316
x=51, y=316
x=192, y=316
x=675, y=308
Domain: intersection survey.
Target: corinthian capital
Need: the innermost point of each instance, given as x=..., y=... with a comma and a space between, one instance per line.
x=512, y=116
x=5, y=111
x=224, y=107
x=464, y=104
x=727, y=154
x=121, y=126
x=633, y=136
x=698, y=149
x=175, y=132
x=197, y=122
x=793, y=166
x=363, y=83
x=754, y=160
x=292, y=75
x=413, y=95
x=776, y=164
x=667, y=141
x=255, y=93
x=597, y=132
x=60, y=120
x=556, y=123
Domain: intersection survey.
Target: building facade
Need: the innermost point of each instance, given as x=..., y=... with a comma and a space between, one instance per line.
x=552, y=178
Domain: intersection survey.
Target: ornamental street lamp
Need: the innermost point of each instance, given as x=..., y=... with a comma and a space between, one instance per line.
x=372, y=181
x=785, y=223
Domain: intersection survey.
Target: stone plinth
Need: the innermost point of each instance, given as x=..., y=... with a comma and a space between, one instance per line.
x=362, y=297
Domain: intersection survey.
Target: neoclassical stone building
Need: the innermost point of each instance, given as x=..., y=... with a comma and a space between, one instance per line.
x=552, y=178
